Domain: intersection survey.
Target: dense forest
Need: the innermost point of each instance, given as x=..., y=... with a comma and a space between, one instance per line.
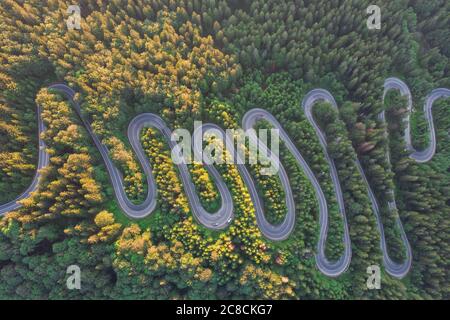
x=212, y=61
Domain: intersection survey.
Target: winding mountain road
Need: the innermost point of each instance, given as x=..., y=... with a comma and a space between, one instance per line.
x=400, y=270
x=427, y=154
x=43, y=161
x=224, y=216
x=325, y=266
x=342, y=264
x=219, y=220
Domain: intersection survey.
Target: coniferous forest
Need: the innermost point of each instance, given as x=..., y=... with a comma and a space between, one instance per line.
x=213, y=61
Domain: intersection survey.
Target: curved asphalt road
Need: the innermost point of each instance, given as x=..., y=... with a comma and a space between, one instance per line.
x=219, y=220
x=427, y=154
x=273, y=232
x=393, y=268
x=43, y=161
x=328, y=268
x=223, y=217
x=308, y=102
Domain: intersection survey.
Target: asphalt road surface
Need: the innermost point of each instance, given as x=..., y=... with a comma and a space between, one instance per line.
x=224, y=216
x=219, y=220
